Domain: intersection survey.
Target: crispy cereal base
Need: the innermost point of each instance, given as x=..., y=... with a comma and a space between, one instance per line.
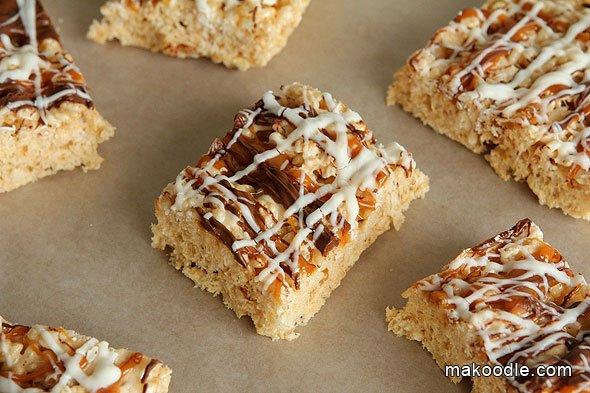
x=68, y=139
x=238, y=39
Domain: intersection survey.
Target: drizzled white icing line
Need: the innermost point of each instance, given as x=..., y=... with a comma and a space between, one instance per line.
x=353, y=174
x=28, y=15
x=184, y=189
x=567, y=151
x=20, y=63
x=203, y=8
x=105, y=371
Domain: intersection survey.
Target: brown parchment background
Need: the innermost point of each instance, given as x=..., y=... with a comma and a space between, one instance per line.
x=75, y=248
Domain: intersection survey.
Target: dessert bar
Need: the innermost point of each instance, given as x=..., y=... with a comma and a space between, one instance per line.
x=510, y=80
x=279, y=209
x=47, y=118
x=44, y=359
x=511, y=300
x=239, y=34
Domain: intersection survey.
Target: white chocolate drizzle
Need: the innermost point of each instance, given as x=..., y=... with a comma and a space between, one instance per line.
x=105, y=371
x=340, y=204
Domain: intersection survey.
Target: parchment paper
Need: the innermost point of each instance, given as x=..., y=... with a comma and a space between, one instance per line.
x=75, y=248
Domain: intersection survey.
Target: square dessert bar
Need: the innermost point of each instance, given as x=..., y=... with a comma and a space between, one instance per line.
x=239, y=34
x=43, y=359
x=512, y=299
x=47, y=119
x=278, y=210
x=510, y=80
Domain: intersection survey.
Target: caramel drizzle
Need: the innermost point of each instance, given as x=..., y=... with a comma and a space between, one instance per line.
x=509, y=32
x=34, y=378
x=523, y=307
x=311, y=215
x=24, y=27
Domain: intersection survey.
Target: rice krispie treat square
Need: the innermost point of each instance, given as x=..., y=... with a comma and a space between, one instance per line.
x=239, y=34
x=47, y=119
x=278, y=210
x=44, y=359
x=512, y=300
x=510, y=80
